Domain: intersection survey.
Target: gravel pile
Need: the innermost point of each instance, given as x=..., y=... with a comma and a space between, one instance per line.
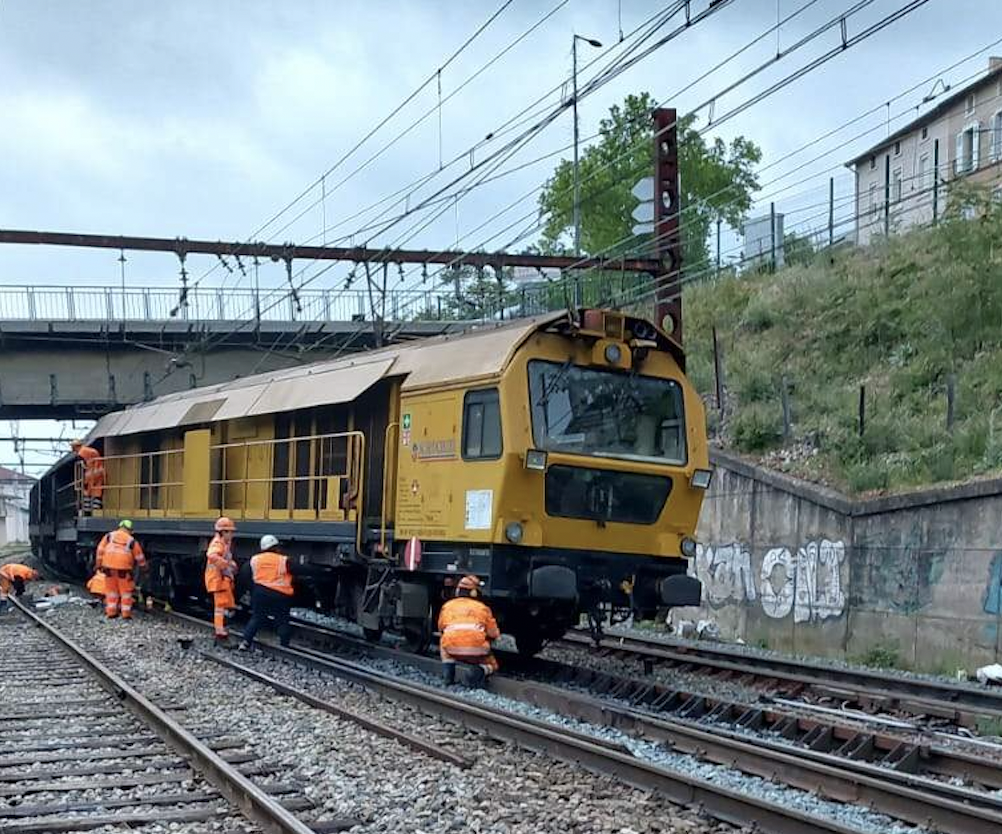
x=350, y=773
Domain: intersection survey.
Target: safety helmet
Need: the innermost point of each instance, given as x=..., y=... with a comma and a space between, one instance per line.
x=470, y=584
x=268, y=542
x=224, y=524
x=125, y=523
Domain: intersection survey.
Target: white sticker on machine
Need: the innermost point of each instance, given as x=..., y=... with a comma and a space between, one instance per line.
x=479, y=507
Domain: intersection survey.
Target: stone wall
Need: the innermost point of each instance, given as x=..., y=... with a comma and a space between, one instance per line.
x=800, y=568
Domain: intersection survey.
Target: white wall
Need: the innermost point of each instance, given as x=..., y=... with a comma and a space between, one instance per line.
x=14, y=512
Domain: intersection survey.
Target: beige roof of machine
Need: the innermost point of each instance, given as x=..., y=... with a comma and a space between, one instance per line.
x=440, y=360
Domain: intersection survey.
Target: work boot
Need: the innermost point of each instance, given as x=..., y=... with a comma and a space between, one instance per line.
x=449, y=673
x=223, y=641
x=244, y=646
x=477, y=678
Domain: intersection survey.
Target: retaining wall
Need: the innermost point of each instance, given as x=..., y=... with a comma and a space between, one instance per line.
x=800, y=568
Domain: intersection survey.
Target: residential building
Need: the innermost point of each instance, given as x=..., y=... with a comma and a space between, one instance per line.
x=15, y=490
x=896, y=183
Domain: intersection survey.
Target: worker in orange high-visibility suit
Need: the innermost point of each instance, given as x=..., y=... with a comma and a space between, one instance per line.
x=117, y=555
x=93, y=478
x=467, y=626
x=13, y=578
x=272, y=591
x=220, y=575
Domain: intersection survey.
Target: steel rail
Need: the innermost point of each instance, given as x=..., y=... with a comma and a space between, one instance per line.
x=928, y=697
x=926, y=802
x=577, y=748
x=251, y=800
x=890, y=789
x=428, y=748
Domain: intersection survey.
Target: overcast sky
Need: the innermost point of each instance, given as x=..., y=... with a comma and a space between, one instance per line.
x=203, y=119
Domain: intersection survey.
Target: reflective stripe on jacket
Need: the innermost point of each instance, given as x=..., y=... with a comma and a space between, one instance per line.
x=467, y=627
x=271, y=570
x=119, y=551
x=220, y=566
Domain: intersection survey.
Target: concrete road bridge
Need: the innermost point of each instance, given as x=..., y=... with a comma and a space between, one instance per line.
x=77, y=352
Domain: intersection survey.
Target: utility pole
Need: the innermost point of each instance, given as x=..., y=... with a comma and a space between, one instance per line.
x=577, y=177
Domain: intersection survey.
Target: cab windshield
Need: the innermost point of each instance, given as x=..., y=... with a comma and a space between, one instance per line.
x=618, y=414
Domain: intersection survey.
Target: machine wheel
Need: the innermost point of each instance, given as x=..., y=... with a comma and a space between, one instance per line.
x=529, y=643
x=417, y=633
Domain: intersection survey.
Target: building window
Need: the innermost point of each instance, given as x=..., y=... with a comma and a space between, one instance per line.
x=897, y=148
x=925, y=132
x=874, y=205
x=923, y=173
x=481, y=425
x=969, y=105
x=966, y=149
x=996, y=137
x=873, y=163
x=896, y=185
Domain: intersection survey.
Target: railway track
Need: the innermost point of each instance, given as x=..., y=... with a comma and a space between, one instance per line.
x=903, y=788
x=83, y=750
x=868, y=689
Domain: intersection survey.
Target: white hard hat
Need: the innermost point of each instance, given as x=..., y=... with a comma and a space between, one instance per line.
x=268, y=542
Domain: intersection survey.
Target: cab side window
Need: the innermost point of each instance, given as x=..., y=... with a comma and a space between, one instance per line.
x=482, y=425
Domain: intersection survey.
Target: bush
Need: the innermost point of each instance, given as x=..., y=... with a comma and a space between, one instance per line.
x=759, y=315
x=867, y=476
x=756, y=428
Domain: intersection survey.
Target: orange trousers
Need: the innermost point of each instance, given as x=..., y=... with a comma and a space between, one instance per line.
x=118, y=590
x=222, y=601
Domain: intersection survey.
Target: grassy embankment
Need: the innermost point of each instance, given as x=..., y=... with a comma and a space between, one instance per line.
x=901, y=318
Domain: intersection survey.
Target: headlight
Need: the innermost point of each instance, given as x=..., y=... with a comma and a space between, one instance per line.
x=613, y=354
x=513, y=532
x=535, y=459
x=688, y=548
x=701, y=479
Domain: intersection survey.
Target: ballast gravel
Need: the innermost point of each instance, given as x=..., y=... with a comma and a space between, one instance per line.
x=349, y=772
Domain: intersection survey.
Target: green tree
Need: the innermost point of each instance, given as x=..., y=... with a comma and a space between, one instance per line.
x=717, y=183
x=477, y=293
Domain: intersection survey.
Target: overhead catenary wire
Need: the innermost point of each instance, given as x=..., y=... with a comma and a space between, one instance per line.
x=585, y=88
x=755, y=99
x=865, y=34
x=382, y=123
x=713, y=8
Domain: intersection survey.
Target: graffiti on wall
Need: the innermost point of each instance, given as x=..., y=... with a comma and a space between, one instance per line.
x=806, y=583
x=726, y=573
x=993, y=590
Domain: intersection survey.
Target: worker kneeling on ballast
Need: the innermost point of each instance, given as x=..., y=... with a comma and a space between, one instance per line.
x=13, y=577
x=467, y=626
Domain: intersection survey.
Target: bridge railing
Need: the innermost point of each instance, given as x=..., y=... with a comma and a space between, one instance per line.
x=109, y=303
x=49, y=303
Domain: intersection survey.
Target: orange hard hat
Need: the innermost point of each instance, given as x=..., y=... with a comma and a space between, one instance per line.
x=225, y=524
x=468, y=583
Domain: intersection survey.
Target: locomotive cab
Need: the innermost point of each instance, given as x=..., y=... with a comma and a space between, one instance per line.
x=570, y=483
